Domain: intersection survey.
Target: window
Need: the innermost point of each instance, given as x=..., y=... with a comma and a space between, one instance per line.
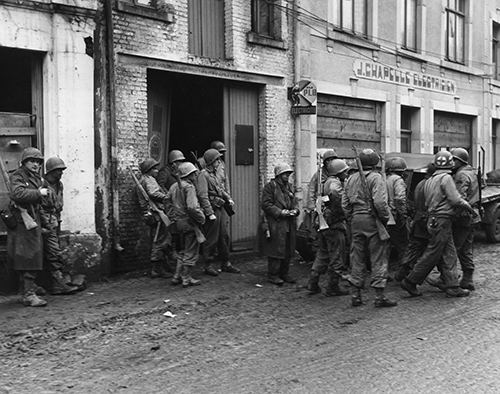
x=350, y=15
x=455, y=31
x=406, y=115
x=266, y=18
x=496, y=50
x=206, y=28
x=409, y=39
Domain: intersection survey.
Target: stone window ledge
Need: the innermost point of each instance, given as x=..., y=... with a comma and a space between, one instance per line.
x=146, y=12
x=255, y=38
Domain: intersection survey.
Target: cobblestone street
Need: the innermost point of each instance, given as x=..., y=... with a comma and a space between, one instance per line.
x=236, y=333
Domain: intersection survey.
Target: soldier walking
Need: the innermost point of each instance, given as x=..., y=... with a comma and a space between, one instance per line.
x=396, y=198
x=186, y=213
x=216, y=245
x=50, y=214
x=280, y=208
x=366, y=242
x=25, y=245
x=332, y=241
x=160, y=237
x=441, y=200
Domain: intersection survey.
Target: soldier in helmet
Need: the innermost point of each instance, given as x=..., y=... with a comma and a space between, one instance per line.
x=160, y=237
x=366, y=243
x=312, y=189
x=442, y=199
x=25, y=245
x=280, y=208
x=167, y=173
x=332, y=241
x=221, y=169
x=50, y=214
x=463, y=222
x=396, y=197
x=186, y=213
x=216, y=230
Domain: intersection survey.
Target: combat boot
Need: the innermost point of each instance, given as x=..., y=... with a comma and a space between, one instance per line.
x=59, y=286
x=436, y=282
x=467, y=282
x=457, y=292
x=228, y=267
x=31, y=299
x=313, y=284
x=209, y=268
x=333, y=287
x=273, y=268
x=384, y=302
x=284, y=275
x=187, y=280
x=410, y=287
x=356, y=297
x=158, y=271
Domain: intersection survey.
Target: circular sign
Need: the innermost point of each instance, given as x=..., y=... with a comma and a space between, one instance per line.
x=155, y=147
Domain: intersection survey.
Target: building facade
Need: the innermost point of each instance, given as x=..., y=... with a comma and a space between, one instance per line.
x=400, y=76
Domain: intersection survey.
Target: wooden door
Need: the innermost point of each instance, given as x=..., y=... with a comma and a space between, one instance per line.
x=158, y=116
x=241, y=135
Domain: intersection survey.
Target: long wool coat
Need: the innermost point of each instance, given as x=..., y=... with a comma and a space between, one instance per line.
x=277, y=196
x=25, y=247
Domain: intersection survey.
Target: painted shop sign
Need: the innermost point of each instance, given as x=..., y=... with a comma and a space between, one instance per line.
x=379, y=72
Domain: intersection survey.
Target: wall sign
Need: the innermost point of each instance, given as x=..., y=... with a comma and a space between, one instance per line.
x=303, y=96
x=375, y=71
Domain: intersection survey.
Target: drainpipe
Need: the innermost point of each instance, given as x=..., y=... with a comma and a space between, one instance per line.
x=112, y=127
x=296, y=66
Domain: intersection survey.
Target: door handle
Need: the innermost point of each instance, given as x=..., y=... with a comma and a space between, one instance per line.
x=250, y=150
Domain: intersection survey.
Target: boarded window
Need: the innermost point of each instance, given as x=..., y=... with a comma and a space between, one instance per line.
x=344, y=122
x=206, y=28
x=452, y=131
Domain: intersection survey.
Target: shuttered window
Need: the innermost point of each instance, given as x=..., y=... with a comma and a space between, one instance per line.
x=206, y=28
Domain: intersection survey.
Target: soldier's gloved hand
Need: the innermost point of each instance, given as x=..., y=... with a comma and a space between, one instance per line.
x=294, y=212
x=231, y=202
x=44, y=191
x=285, y=212
x=212, y=217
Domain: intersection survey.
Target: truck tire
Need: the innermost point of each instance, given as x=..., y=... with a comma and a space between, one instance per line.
x=492, y=229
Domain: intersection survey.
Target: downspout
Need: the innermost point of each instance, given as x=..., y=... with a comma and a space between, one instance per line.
x=112, y=127
x=296, y=76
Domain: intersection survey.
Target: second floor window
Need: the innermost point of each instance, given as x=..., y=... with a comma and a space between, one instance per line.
x=350, y=15
x=206, y=28
x=496, y=50
x=266, y=20
x=455, y=30
x=410, y=25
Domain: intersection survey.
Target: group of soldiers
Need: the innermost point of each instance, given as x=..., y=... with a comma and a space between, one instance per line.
x=370, y=218
x=197, y=203
x=33, y=221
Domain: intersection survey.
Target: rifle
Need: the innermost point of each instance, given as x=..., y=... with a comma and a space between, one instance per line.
x=382, y=231
x=28, y=221
x=391, y=220
x=323, y=225
x=164, y=218
x=480, y=180
x=200, y=237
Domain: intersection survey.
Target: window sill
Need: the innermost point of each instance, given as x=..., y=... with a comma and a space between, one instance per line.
x=254, y=38
x=352, y=39
x=146, y=12
x=460, y=68
x=406, y=53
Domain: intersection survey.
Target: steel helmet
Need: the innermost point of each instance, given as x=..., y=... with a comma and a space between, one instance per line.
x=368, y=157
x=443, y=160
x=282, y=168
x=54, y=163
x=148, y=164
x=175, y=155
x=31, y=153
x=396, y=164
x=186, y=169
x=336, y=166
x=211, y=155
x=353, y=165
x=329, y=154
x=219, y=145
x=460, y=154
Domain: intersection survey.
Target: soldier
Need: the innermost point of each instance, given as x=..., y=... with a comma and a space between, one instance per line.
x=280, y=208
x=332, y=241
x=160, y=237
x=396, y=198
x=24, y=245
x=312, y=189
x=185, y=211
x=221, y=169
x=366, y=243
x=50, y=214
x=419, y=236
x=167, y=174
x=463, y=221
x=441, y=200
x=216, y=231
